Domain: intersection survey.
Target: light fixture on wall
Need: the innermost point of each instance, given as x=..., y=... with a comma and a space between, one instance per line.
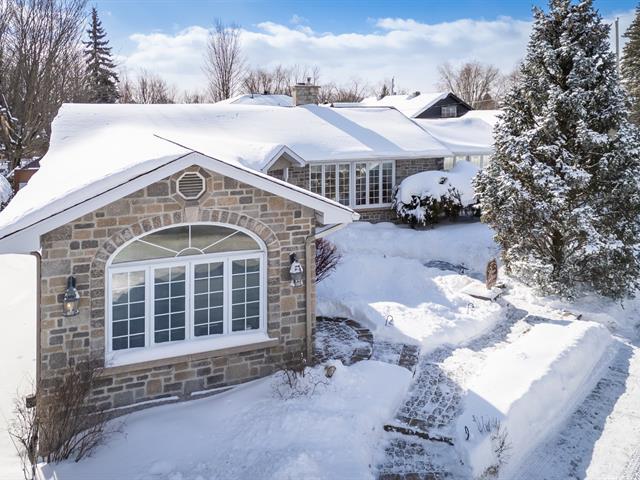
x=71, y=299
x=296, y=271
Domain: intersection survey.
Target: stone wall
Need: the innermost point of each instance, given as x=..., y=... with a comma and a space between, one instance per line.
x=83, y=247
x=299, y=176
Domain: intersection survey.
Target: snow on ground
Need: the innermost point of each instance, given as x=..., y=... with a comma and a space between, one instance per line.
x=251, y=433
x=529, y=383
x=382, y=273
x=17, y=346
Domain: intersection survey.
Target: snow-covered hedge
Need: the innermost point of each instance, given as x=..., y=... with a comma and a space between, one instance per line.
x=424, y=198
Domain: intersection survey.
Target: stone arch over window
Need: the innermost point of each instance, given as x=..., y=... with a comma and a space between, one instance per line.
x=153, y=265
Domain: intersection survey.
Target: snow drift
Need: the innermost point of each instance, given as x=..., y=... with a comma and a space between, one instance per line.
x=530, y=386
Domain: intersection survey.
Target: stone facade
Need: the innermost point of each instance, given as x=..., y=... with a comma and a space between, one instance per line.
x=82, y=248
x=299, y=176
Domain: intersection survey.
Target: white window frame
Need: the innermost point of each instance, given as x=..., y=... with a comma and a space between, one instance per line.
x=189, y=261
x=352, y=181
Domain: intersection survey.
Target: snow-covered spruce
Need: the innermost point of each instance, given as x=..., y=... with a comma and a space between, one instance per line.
x=102, y=79
x=563, y=189
x=426, y=197
x=631, y=65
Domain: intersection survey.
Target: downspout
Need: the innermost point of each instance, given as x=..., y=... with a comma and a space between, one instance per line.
x=38, y=258
x=310, y=281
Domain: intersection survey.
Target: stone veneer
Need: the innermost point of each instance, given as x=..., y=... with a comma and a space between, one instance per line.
x=299, y=176
x=83, y=247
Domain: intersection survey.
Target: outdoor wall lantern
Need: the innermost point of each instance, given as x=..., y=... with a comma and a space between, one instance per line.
x=71, y=299
x=296, y=271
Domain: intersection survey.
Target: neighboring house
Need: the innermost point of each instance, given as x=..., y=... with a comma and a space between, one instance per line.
x=423, y=105
x=22, y=174
x=259, y=99
x=178, y=226
x=469, y=138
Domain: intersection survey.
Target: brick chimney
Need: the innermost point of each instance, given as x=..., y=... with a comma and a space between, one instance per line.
x=305, y=93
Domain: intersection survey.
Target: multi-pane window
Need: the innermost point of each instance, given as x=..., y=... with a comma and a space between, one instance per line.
x=128, y=310
x=315, y=179
x=331, y=181
x=208, y=298
x=387, y=182
x=361, y=183
x=183, y=283
x=245, y=288
x=344, y=177
x=449, y=111
x=169, y=307
x=374, y=183
x=357, y=184
x=449, y=163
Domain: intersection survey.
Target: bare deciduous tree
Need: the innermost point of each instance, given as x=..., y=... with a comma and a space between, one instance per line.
x=38, y=70
x=473, y=82
x=279, y=79
x=146, y=87
x=351, y=92
x=224, y=64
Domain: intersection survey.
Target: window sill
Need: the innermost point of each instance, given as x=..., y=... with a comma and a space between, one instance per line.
x=373, y=207
x=184, y=351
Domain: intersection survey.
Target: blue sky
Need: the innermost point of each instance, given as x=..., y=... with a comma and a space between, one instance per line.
x=347, y=39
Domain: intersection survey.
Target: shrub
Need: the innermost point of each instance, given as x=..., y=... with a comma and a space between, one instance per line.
x=62, y=426
x=427, y=209
x=327, y=258
x=295, y=379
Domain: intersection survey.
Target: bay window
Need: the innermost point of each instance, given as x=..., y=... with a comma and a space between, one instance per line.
x=183, y=284
x=354, y=184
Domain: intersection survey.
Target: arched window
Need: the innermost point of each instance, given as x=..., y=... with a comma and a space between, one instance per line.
x=185, y=283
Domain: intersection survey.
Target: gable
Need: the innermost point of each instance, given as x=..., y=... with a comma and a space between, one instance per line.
x=435, y=110
x=23, y=235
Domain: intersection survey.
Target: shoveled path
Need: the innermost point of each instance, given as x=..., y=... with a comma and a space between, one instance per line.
x=431, y=407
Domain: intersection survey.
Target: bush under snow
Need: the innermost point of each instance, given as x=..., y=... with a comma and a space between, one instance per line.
x=424, y=198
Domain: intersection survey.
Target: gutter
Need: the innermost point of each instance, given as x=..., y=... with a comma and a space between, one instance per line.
x=309, y=255
x=38, y=258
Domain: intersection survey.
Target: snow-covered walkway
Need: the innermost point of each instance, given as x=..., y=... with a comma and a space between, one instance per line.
x=601, y=440
x=431, y=406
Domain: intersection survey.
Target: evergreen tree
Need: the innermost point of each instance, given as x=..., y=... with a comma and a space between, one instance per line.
x=101, y=77
x=631, y=65
x=563, y=189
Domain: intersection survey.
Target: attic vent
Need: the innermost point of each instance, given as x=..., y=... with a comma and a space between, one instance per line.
x=191, y=185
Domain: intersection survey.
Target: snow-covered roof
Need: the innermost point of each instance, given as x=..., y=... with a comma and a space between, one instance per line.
x=260, y=99
x=471, y=134
x=99, y=153
x=410, y=105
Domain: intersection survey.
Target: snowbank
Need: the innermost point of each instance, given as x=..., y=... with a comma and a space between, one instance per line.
x=17, y=345
x=248, y=433
x=425, y=303
x=530, y=386
x=383, y=273
x=468, y=244
x=436, y=183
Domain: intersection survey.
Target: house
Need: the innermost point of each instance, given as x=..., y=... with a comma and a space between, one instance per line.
x=171, y=238
x=469, y=137
x=259, y=99
x=423, y=105
x=22, y=174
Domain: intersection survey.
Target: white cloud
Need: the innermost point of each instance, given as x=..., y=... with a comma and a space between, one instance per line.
x=404, y=48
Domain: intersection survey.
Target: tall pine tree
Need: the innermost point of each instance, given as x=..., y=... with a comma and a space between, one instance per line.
x=631, y=65
x=101, y=78
x=563, y=189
